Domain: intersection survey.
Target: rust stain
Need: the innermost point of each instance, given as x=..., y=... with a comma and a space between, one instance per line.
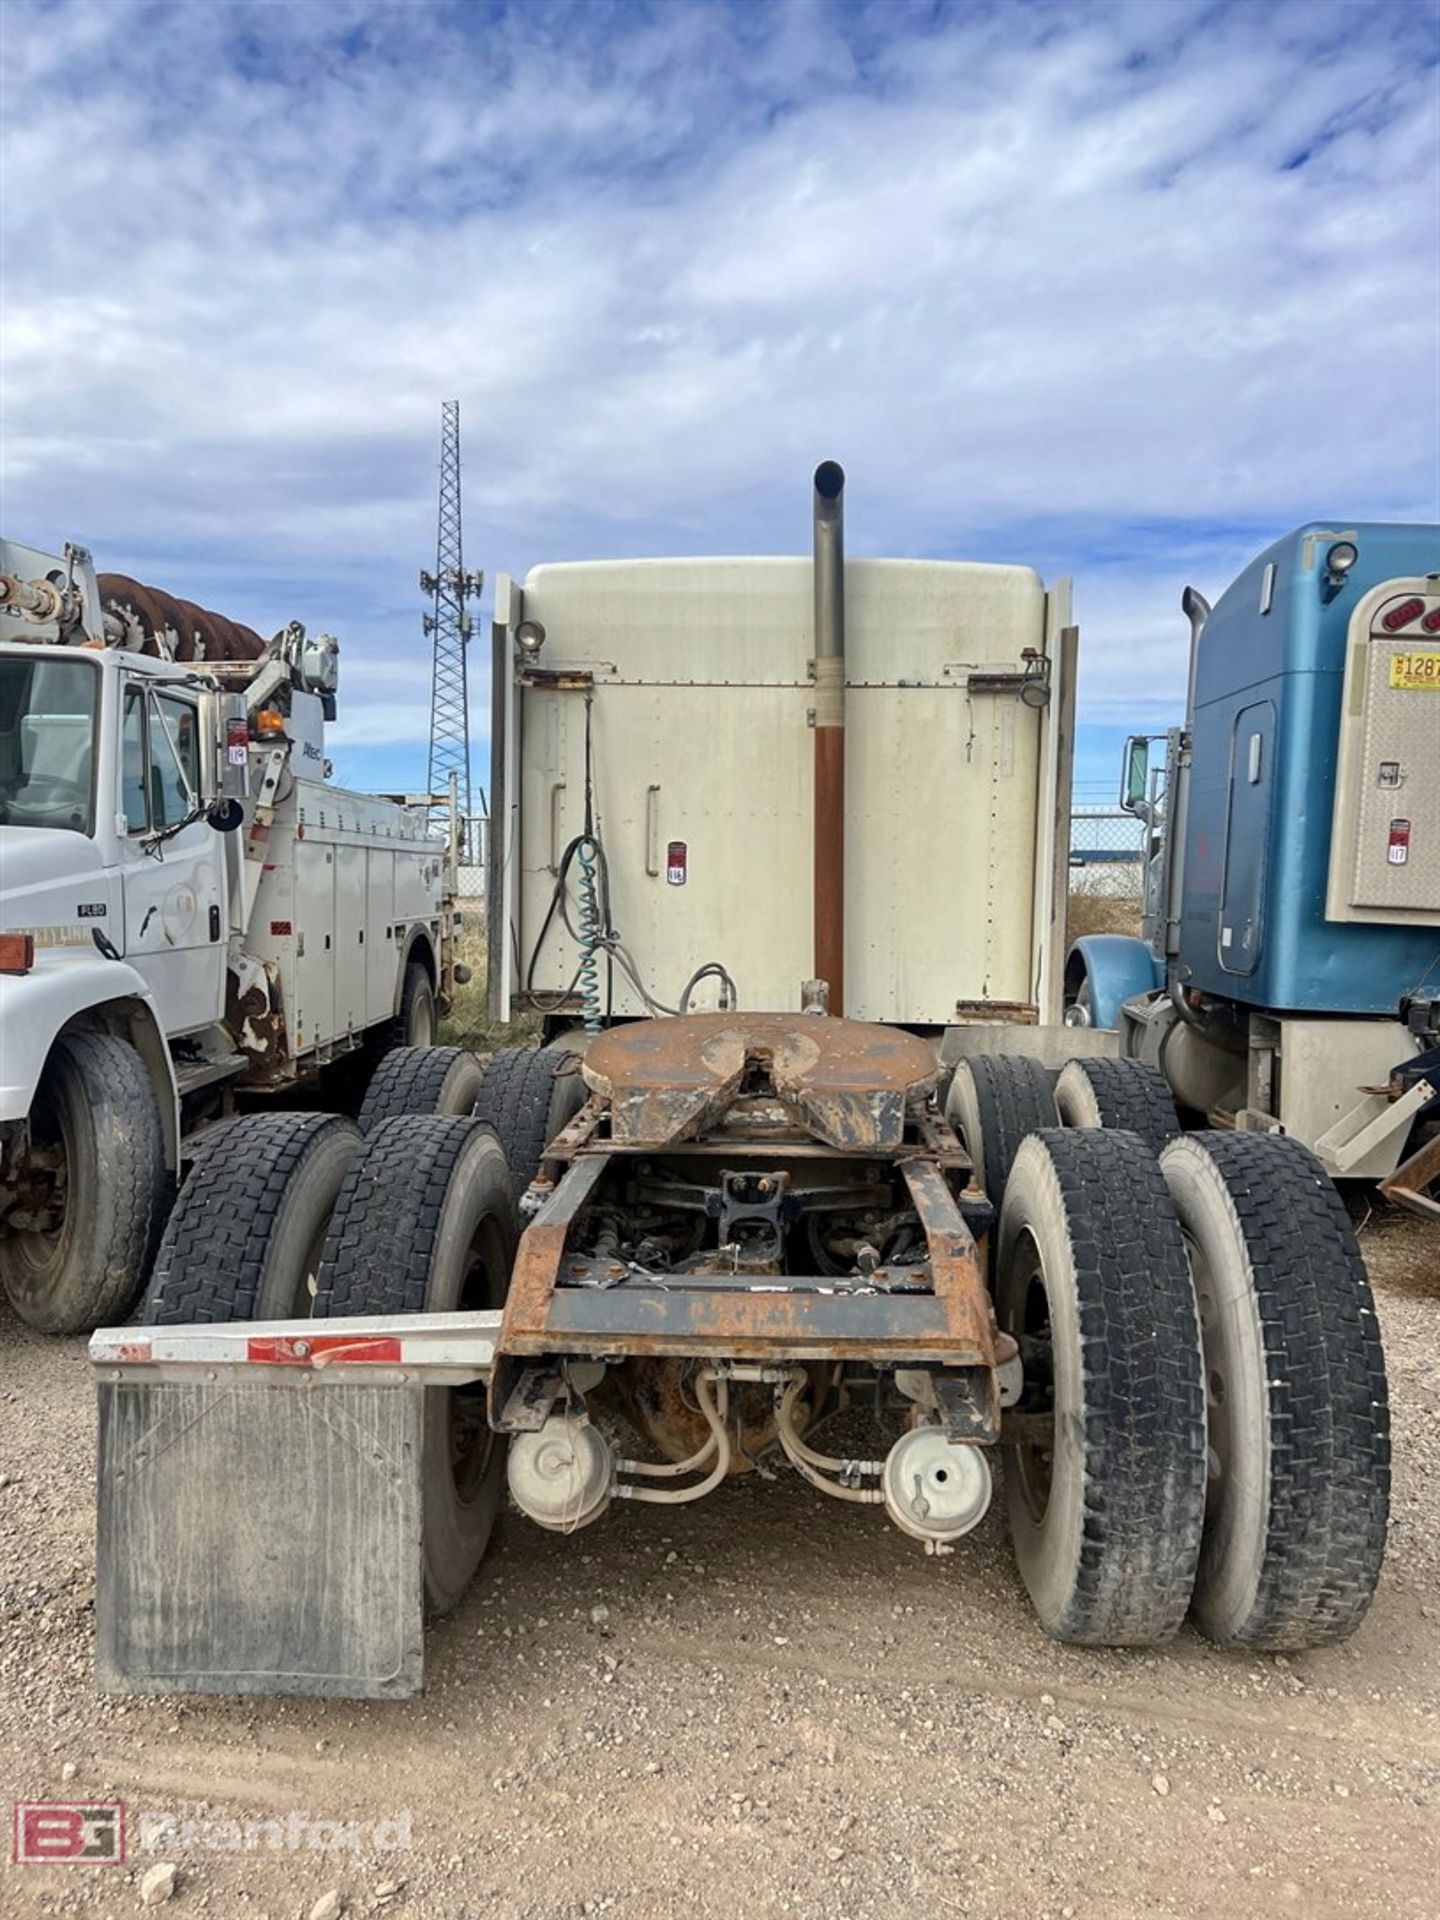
x=175, y=628
x=658, y=1398
x=847, y=1082
x=259, y=1020
x=542, y=1247
x=1406, y=1185
x=858, y=1088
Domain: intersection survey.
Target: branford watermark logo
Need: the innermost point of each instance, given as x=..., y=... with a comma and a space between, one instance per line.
x=94, y=1833
x=196, y=1828
x=87, y=1833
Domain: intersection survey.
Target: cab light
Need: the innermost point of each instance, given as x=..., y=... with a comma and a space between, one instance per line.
x=17, y=952
x=268, y=722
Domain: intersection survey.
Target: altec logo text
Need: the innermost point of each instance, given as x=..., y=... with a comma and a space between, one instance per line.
x=60, y=1833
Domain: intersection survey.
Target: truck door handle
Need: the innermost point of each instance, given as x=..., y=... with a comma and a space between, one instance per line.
x=555, y=793
x=214, y=923
x=652, y=832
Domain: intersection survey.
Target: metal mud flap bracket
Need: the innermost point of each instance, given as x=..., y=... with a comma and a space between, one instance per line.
x=259, y=1530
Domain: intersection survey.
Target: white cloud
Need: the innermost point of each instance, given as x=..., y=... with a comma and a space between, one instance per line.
x=1046, y=278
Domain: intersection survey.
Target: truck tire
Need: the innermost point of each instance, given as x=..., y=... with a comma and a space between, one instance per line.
x=96, y=1103
x=1299, y=1433
x=528, y=1094
x=994, y=1101
x=421, y=1080
x=1117, y=1093
x=1107, y=1503
x=426, y=1224
x=414, y=1022
x=244, y=1239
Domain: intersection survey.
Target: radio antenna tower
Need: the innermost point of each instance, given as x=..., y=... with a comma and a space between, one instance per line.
x=448, y=623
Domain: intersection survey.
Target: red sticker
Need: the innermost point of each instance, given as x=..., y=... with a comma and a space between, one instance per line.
x=677, y=862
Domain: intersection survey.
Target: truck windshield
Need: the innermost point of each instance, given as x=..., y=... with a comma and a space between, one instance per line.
x=47, y=741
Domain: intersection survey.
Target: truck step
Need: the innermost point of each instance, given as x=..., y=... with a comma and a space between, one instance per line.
x=194, y=1074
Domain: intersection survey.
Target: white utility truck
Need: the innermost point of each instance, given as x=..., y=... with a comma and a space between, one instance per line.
x=189, y=913
x=778, y=856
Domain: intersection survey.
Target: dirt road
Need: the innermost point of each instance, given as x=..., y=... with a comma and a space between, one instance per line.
x=760, y=1705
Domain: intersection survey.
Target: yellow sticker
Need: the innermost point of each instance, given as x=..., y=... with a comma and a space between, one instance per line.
x=1414, y=671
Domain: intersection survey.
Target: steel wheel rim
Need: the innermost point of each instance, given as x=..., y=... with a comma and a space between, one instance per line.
x=44, y=1251
x=423, y=1021
x=1215, y=1350
x=470, y=1441
x=1034, y=1463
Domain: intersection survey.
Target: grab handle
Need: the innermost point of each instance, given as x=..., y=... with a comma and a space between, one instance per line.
x=555, y=793
x=652, y=832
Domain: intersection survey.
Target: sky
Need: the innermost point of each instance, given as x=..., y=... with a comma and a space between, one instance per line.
x=1122, y=290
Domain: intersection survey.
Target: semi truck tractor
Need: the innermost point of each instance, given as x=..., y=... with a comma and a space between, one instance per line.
x=192, y=918
x=1288, y=975
x=778, y=858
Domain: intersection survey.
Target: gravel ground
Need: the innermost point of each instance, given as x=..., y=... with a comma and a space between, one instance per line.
x=760, y=1705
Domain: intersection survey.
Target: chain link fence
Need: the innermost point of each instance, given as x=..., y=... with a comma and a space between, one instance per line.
x=1107, y=856
x=474, y=856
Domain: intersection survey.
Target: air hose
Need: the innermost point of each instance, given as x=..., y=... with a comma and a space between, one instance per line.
x=592, y=932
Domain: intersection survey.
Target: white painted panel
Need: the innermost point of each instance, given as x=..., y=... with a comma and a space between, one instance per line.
x=315, y=963
x=727, y=789
x=380, y=946
x=271, y=936
x=701, y=689
x=1326, y=1064
x=350, y=901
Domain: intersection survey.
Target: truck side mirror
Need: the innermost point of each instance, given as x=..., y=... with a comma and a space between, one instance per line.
x=1137, y=773
x=225, y=815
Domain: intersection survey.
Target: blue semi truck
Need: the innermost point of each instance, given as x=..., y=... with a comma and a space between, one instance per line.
x=1287, y=978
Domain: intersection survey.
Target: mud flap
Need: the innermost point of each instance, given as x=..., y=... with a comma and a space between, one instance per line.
x=256, y=1536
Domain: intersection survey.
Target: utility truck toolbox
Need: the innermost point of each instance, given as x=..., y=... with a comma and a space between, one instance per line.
x=204, y=920
x=670, y=1250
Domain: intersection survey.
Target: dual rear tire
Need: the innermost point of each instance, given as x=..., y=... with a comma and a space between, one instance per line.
x=1298, y=1438
x=1204, y=1422
x=426, y=1223
x=413, y=1211
x=304, y=1215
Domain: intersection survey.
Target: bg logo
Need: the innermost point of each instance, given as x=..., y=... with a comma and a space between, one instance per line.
x=53, y=1832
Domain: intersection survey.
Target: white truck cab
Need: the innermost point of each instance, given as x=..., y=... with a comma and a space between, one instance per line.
x=189, y=912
